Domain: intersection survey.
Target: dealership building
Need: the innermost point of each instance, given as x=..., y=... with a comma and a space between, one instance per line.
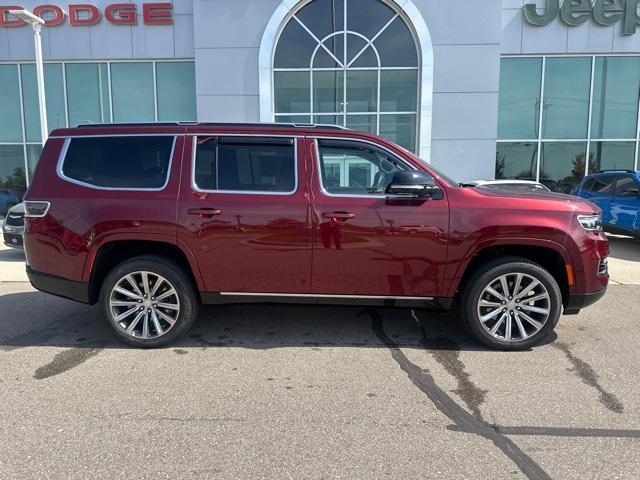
x=545, y=89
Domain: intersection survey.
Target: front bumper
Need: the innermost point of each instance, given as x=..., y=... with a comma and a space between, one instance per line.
x=59, y=286
x=579, y=301
x=13, y=236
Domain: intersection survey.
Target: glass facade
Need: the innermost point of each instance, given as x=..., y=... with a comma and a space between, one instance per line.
x=555, y=112
x=81, y=93
x=352, y=63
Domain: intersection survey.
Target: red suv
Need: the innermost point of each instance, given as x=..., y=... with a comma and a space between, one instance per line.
x=152, y=221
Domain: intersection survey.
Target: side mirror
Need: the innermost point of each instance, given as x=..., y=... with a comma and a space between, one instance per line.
x=412, y=184
x=631, y=192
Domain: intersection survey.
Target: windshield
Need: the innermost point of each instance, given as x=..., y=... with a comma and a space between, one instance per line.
x=437, y=171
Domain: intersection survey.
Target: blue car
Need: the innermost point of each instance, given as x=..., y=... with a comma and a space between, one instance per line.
x=617, y=193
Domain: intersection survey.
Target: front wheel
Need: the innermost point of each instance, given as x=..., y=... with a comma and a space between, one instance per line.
x=511, y=304
x=149, y=301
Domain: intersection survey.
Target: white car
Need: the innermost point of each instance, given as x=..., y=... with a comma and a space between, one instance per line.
x=524, y=185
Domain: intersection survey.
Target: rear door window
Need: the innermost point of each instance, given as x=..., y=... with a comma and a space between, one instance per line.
x=125, y=162
x=245, y=164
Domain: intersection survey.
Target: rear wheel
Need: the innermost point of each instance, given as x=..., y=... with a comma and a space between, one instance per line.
x=149, y=301
x=511, y=304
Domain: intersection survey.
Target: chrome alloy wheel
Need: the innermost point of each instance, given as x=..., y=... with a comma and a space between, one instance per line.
x=144, y=305
x=514, y=307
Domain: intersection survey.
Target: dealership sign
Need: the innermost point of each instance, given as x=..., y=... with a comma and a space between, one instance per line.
x=576, y=12
x=83, y=14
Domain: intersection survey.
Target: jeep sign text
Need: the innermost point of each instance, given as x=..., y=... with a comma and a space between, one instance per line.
x=576, y=12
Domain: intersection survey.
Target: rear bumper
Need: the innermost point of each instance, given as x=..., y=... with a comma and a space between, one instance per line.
x=578, y=302
x=61, y=287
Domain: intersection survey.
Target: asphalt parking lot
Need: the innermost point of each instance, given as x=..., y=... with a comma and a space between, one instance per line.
x=317, y=392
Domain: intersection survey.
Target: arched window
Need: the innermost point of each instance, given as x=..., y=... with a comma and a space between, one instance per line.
x=349, y=62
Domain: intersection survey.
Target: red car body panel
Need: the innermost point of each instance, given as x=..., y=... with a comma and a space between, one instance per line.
x=261, y=242
x=390, y=248
x=291, y=243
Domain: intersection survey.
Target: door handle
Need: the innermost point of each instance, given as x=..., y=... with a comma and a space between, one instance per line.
x=338, y=215
x=204, y=212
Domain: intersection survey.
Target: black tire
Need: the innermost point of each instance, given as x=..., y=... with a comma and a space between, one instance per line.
x=175, y=275
x=484, y=276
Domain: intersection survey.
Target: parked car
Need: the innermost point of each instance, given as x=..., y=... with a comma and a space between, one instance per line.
x=13, y=226
x=617, y=193
x=152, y=221
x=522, y=185
x=7, y=200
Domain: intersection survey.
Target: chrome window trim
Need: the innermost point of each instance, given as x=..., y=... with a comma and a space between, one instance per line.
x=63, y=154
x=195, y=187
x=322, y=295
x=351, y=195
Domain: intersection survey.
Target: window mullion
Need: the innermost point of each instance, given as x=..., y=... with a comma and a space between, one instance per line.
x=64, y=94
x=588, y=150
x=22, y=121
x=110, y=92
x=344, y=75
x=541, y=112
x=636, y=164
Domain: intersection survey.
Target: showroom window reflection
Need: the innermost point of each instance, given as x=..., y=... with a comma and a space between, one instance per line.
x=83, y=93
x=350, y=63
x=589, y=109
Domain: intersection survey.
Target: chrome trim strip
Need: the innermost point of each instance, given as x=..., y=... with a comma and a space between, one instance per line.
x=195, y=187
x=63, y=154
x=321, y=295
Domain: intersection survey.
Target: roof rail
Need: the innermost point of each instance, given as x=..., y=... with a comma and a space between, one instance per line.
x=212, y=124
x=609, y=170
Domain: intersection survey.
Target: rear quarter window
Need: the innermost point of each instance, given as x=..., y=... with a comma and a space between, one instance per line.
x=119, y=162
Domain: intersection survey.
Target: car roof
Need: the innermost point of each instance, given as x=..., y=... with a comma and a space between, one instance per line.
x=613, y=172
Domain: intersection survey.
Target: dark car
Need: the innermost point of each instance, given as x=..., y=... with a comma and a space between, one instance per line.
x=13, y=226
x=152, y=221
x=7, y=200
x=617, y=193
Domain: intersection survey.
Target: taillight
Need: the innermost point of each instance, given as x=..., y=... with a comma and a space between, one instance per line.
x=34, y=209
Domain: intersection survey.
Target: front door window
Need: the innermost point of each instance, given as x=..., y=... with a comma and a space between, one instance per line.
x=356, y=169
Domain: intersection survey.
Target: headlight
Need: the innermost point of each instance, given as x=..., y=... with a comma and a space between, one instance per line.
x=592, y=223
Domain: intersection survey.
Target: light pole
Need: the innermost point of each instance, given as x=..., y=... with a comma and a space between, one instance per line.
x=37, y=23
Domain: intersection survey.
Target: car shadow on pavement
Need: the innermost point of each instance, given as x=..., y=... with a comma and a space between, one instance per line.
x=12, y=255
x=624, y=248
x=54, y=321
